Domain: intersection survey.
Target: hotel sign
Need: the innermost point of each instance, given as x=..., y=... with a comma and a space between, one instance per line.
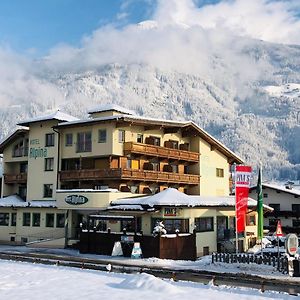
x=76, y=199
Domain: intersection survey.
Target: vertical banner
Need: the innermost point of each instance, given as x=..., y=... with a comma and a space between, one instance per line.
x=242, y=184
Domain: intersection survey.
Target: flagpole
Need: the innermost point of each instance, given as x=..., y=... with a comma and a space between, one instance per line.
x=261, y=245
x=236, y=233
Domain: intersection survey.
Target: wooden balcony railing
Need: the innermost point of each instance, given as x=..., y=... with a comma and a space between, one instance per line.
x=158, y=151
x=19, y=178
x=129, y=174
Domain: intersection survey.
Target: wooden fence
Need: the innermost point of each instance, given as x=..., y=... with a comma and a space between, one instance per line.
x=165, y=247
x=281, y=262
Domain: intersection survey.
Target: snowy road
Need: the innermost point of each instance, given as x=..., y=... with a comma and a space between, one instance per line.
x=30, y=281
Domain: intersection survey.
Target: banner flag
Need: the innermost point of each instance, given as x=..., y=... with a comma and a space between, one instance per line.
x=242, y=184
x=260, y=216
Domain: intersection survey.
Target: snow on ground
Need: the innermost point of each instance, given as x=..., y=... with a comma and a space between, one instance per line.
x=203, y=263
x=30, y=281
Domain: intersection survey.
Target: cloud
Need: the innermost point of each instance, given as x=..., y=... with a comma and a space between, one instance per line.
x=273, y=21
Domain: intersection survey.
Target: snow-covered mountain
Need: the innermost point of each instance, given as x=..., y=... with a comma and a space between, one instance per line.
x=258, y=116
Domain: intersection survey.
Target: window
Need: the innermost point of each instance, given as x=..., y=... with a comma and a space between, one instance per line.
x=84, y=141
x=60, y=220
x=156, y=141
x=4, y=219
x=204, y=224
x=49, y=220
x=172, y=144
x=173, y=225
x=13, y=220
x=69, y=139
x=276, y=206
x=219, y=172
x=174, y=168
x=296, y=208
x=101, y=225
x=140, y=138
x=23, y=167
x=26, y=219
x=49, y=164
x=21, y=148
x=23, y=191
x=296, y=223
x=250, y=221
x=49, y=140
x=36, y=219
x=273, y=222
x=128, y=163
x=131, y=225
x=102, y=136
x=121, y=136
x=48, y=190
x=265, y=195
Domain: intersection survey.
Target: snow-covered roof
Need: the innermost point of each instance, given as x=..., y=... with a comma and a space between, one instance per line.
x=16, y=201
x=111, y=107
x=126, y=207
x=57, y=115
x=172, y=197
x=281, y=188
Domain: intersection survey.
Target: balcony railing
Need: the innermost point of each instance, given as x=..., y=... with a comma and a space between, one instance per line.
x=129, y=174
x=18, y=178
x=158, y=151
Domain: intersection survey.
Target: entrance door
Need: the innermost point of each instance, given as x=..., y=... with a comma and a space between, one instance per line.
x=221, y=227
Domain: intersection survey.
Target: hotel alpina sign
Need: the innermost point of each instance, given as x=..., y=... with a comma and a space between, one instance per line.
x=76, y=199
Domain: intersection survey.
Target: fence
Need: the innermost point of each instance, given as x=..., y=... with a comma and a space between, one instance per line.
x=281, y=262
x=165, y=247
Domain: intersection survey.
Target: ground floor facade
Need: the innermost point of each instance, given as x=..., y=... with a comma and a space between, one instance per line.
x=59, y=223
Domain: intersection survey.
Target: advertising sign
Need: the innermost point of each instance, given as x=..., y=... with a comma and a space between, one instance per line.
x=76, y=199
x=291, y=244
x=242, y=184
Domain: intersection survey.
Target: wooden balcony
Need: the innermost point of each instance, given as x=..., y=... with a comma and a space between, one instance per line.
x=129, y=174
x=158, y=151
x=19, y=178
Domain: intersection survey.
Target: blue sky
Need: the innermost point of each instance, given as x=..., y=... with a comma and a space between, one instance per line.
x=38, y=25
x=41, y=24
x=35, y=26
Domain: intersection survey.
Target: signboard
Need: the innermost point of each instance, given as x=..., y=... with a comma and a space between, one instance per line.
x=38, y=152
x=242, y=184
x=170, y=212
x=127, y=239
x=279, y=229
x=76, y=199
x=291, y=244
x=136, y=251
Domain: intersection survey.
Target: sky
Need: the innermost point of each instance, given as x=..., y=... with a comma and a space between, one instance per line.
x=34, y=27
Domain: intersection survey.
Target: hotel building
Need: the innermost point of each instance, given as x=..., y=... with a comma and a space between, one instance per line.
x=58, y=169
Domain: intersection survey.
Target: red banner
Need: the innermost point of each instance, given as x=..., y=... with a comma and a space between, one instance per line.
x=242, y=184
